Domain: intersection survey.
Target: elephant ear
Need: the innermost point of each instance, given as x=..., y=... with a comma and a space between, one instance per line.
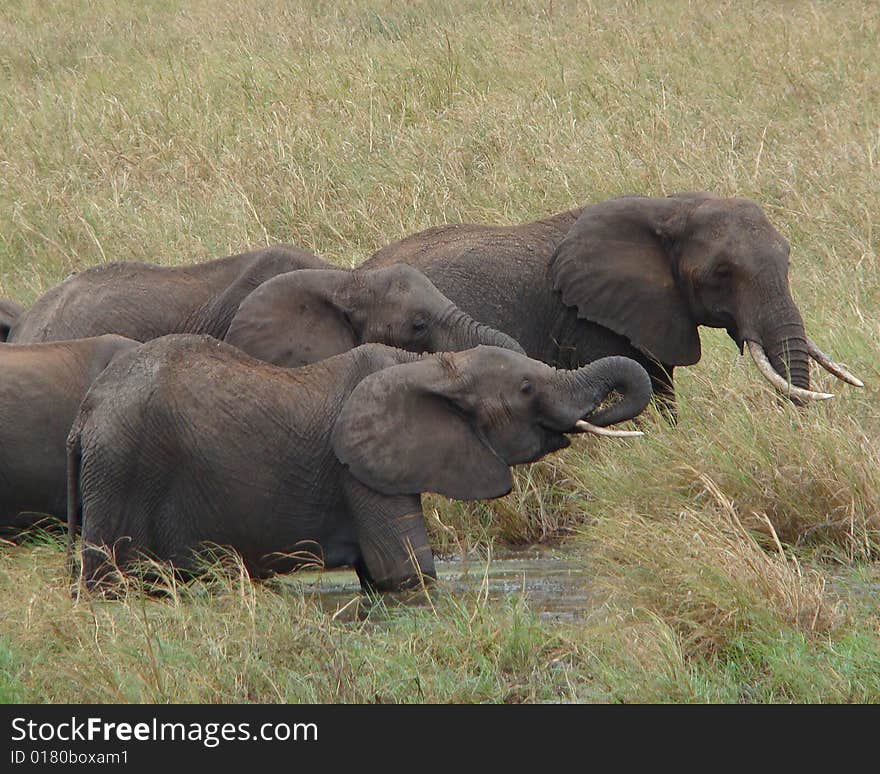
x=9, y=313
x=256, y=268
x=295, y=318
x=401, y=431
x=615, y=266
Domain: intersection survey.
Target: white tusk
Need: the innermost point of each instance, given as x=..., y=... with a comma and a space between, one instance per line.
x=829, y=365
x=586, y=427
x=760, y=358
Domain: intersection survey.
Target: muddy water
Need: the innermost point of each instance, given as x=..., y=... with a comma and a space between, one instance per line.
x=556, y=586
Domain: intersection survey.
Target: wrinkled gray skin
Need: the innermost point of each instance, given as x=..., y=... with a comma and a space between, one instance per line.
x=305, y=316
x=143, y=301
x=40, y=391
x=631, y=276
x=9, y=313
x=189, y=440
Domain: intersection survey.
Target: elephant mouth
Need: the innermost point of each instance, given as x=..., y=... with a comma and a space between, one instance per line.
x=596, y=421
x=583, y=427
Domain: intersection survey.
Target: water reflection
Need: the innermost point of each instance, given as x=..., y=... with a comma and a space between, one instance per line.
x=556, y=586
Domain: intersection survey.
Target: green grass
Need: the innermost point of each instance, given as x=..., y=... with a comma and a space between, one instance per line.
x=227, y=639
x=735, y=557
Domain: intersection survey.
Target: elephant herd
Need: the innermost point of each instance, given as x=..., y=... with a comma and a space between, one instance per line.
x=295, y=412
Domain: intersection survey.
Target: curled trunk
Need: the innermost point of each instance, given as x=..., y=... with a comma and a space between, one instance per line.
x=587, y=387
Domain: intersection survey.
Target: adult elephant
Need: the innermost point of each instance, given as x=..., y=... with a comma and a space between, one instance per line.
x=304, y=316
x=143, y=301
x=9, y=313
x=631, y=276
x=40, y=391
x=188, y=441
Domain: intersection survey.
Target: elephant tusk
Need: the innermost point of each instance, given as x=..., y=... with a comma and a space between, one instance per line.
x=586, y=427
x=829, y=365
x=766, y=369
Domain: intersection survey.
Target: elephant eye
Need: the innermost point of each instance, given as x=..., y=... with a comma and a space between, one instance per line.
x=419, y=325
x=526, y=388
x=722, y=273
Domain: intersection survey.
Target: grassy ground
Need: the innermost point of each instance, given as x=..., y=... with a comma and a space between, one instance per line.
x=735, y=557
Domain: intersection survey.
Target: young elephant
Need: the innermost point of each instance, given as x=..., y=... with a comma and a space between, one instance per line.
x=40, y=392
x=305, y=316
x=9, y=313
x=188, y=440
x=144, y=301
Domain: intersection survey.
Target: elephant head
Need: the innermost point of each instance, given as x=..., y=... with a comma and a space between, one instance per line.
x=304, y=316
x=461, y=419
x=654, y=269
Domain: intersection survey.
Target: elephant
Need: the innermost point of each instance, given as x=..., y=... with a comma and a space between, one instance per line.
x=9, y=313
x=143, y=301
x=632, y=276
x=188, y=441
x=40, y=392
x=304, y=316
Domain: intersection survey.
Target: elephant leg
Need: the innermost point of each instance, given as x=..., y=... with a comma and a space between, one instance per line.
x=367, y=582
x=395, y=550
x=74, y=501
x=100, y=567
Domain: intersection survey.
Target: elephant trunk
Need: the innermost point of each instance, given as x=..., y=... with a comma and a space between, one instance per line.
x=781, y=352
x=459, y=331
x=590, y=385
x=786, y=348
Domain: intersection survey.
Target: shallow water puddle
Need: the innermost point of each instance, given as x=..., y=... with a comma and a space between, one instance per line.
x=555, y=586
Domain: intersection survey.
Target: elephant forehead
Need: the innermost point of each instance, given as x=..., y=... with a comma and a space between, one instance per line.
x=488, y=360
x=746, y=241
x=736, y=216
x=403, y=278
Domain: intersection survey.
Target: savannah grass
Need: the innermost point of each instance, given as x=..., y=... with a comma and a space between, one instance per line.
x=734, y=556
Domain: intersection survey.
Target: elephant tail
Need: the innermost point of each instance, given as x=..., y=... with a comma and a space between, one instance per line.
x=74, y=501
